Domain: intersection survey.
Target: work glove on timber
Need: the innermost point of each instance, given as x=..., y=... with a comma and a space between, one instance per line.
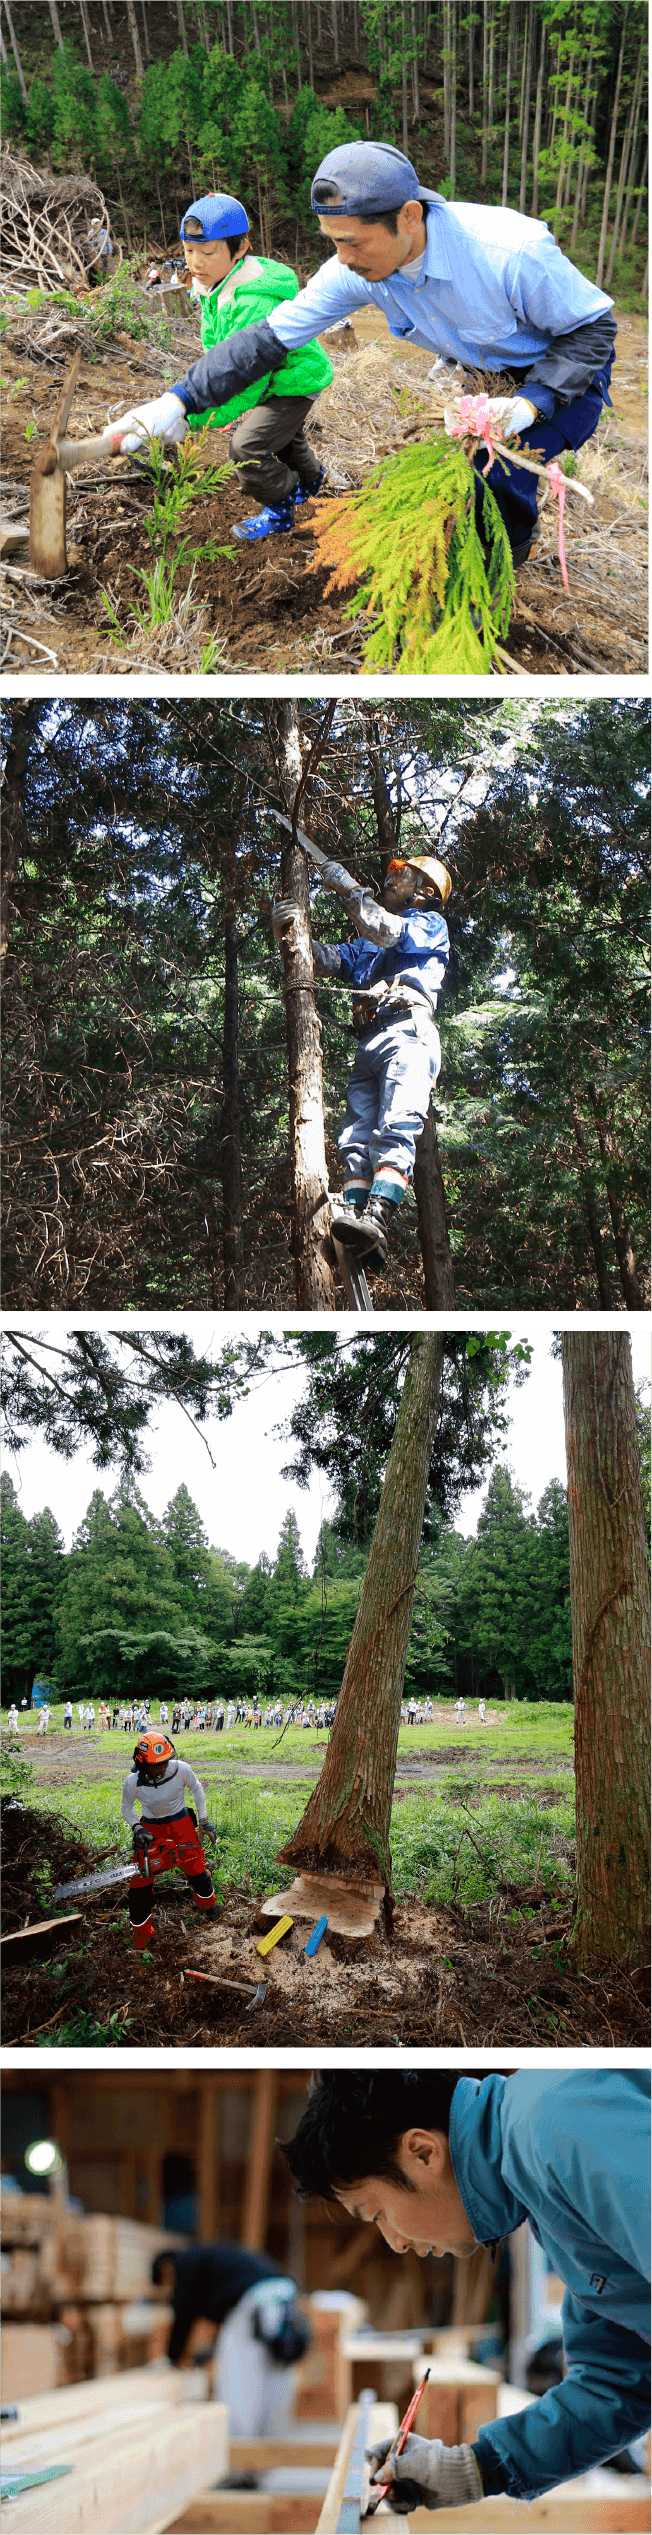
x=284, y=914
x=165, y=418
x=426, y=2475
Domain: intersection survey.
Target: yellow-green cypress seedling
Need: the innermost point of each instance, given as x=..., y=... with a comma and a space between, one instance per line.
x=439, y=595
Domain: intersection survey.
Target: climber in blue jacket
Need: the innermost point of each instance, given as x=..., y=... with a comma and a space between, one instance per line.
x=444, y=2164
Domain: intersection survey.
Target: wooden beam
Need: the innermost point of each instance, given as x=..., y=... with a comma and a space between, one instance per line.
x=383, y=2421
x=254, y=2219
x=250, y=2513
x=268, y=2455
x=128, y=2464
x=207, y=2176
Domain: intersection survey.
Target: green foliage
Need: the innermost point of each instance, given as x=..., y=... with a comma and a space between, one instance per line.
x=75, y=109
x=14, y=112
x=312, y=132
x=32, y=1564
x=438, y=592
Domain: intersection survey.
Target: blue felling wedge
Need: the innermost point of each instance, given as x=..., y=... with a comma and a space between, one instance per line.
x=318, y=1932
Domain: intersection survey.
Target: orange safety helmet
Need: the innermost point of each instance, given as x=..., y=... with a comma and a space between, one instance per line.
x=427, y=863
x=152, y=1749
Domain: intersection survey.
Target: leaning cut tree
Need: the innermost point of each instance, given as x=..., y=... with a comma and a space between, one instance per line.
x=610, y=1602
x=346, y=1824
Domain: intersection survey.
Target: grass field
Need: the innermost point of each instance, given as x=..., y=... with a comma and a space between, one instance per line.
x=473, y=1806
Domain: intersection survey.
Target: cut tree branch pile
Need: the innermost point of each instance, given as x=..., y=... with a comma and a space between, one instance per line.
x=45, y=224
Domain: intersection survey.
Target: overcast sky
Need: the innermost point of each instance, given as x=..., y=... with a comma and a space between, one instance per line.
x=242, y=1501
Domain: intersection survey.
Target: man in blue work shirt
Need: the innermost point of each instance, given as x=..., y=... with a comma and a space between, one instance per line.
x=395, y=968
x=473, y=283
x=443, y=2164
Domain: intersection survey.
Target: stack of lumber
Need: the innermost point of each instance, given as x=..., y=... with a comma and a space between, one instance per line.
x=74, y=2290
x=122, y=2455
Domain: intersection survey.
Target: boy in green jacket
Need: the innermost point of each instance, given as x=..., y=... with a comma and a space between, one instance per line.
x=268, y=443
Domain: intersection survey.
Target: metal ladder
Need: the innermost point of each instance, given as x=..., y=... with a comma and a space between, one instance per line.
x=353, y=1277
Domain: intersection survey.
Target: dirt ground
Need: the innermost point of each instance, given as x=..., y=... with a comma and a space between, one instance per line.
x=495, y=1973
x=263, y=604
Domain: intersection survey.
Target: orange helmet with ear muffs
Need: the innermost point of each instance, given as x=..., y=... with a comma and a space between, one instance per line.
x=427, y=863
x=153, y=1750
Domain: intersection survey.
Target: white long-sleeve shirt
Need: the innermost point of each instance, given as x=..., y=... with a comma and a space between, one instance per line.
x=165, y=1799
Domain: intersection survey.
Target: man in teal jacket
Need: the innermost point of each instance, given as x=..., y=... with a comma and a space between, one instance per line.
x=268, y=443
x=443, y=2164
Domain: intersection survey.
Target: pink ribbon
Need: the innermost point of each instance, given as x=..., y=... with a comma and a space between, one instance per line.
x=476, y=422
x=558, y=486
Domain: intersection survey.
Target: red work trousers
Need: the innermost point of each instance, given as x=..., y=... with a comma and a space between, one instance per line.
x=174, y=1842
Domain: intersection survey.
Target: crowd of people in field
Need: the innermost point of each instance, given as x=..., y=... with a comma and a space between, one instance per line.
x=211, y=1716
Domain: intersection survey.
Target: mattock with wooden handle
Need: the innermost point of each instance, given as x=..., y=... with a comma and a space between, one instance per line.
x=47, y=500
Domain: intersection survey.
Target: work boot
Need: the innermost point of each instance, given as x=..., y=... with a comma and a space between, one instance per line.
x=268, y=523
x=307, y=492
x=365, y=1233
x=142, y=1936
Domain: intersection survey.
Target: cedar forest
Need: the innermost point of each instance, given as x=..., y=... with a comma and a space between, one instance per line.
x=542, y=105
x=146, y=1077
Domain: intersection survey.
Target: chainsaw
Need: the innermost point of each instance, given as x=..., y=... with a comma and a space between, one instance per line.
x=156, y=1855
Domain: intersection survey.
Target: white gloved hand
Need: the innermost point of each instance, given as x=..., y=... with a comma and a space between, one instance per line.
x=510, y=414
x=284, y=914
x=427, y=2475
x=334, y=876
x=165, y=418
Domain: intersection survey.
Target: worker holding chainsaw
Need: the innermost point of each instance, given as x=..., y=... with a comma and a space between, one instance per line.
x=395, y=968
x=474, y=283
x=238, y=289
x=167, y=1833
x=443, y=2164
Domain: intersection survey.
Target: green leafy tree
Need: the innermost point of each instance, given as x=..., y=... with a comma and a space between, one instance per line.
x=75, y=116
x=119, y=1578
x=183, y=1537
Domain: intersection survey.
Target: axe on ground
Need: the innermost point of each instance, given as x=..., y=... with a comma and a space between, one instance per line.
x=47, y=501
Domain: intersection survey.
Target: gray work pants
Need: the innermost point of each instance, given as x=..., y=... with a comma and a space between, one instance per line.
x=270, y=450
x=389, y=1094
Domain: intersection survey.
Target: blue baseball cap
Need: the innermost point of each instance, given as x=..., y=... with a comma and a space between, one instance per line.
x=365, y=176
x=220, y=214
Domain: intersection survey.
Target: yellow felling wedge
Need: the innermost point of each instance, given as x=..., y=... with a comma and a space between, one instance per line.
x=281, y=1929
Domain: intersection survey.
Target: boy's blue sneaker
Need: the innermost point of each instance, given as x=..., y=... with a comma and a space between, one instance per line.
x=268, y=523
x=306, y=492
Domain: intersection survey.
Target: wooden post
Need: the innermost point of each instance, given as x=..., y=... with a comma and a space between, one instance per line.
x=254, y=2223
x=207, y=2177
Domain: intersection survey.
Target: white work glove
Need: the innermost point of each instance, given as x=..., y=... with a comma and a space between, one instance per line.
x=426, y=2475
x=334, y=876
x=284, y=914
x=165, y=418
x=510, y=414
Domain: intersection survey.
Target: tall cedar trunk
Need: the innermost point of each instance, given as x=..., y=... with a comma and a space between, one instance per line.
x=24, y=722
x=583, y=148
x=610, y=159
x=135, y=38
x=56, y=27
x=538, y=111
x=230, y=1148
x=634, y=1299
x=592, y=1216
x=87, y=37
x=485, y=102
x=387, y=839
x=508, y=79
x=610, y=1604
x=453, y=96
x=439, y=1275
x=525, y=133
x=346, y=1823
x=14, y=48
x=311, y=1244
x=641, y=197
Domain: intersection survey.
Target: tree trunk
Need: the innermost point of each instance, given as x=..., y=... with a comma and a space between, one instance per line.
x=634, y=1299
x=14, y=48
x=508, y=77
x=453, y=95
x=87, y=38
x=536, y=144
x=346, y=1823
x=416, y=91
x=135, y=38
x=610, y=160
x=148, y=48
x=529, y=57
x=336, y=49
x=628, y=145
x=24, y=722
x=610, y=1607
x=404, y=81
x=439, y=1275
x=378, y=784
x=181, y=23
x=230, y=1148
x=311, y=1245
x=631, y=172
x=592, y=1216
x=56, y=25
x=641, y=193
x=485, y=93
x=586, y=135
x=471, y=43
x=447, y=77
